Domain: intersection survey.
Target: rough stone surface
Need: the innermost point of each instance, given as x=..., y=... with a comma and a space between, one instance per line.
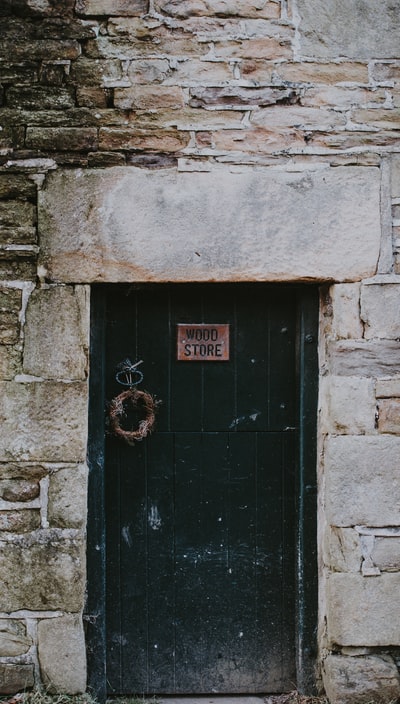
x=43, y=421
x=13, y=638
x=363, y=611
x=358, y=680
x=19, y=521
x=348, y=405
x=62, y=654
x=362, y=480
x=18, y=490
x=27, y=585
x=56, y=337
x=389, y=416
x=369, y=358
x=388, y=388
x=346, y=311
x=10, y=361
x=15, y=678
x=380, y=310
x=352, y=30
x=10, y=306
x=111, y=7
x=385, y=553
x=235, y=221
x=68, y=497
x=22, y=471
x=342, y=549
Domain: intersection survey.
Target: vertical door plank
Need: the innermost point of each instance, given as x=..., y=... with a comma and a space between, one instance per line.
x=251, y=340
x=153, y=345
x=186, y=389
x=282, y=360
x=161, y=562
x=219, y=396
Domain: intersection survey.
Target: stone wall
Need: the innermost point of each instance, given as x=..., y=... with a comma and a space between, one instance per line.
x=171, y=140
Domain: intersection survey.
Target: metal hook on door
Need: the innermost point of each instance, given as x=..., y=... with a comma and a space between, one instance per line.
x=128, y=369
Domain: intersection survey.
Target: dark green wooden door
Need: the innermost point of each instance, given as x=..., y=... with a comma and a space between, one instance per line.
x=200, y=516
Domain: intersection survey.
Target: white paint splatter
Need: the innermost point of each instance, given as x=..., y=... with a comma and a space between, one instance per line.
x=154, y=518
x=126, y=534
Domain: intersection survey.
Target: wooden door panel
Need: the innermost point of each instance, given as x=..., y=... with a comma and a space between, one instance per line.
x=201, y=515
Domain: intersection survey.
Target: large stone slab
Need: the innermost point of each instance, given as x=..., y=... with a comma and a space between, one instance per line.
x=15, y=678
x=358, y=680
x=62, y=654
x=362, y=480
x=42, y=571
x=43, y=421
x=363, y=611
x=129, y=224
x=348, y=405
x=352, y=29
x=56, y=333
x=380, y=305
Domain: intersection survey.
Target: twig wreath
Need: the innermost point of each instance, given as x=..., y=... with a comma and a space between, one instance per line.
x=136, y=400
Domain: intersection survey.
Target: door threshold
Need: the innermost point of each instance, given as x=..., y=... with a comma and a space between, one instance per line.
x=212, y=699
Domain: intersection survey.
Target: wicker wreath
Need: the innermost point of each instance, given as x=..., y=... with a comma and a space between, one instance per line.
x=136, y=399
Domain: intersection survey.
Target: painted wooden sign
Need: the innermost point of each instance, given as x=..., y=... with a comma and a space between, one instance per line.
x=202, y=342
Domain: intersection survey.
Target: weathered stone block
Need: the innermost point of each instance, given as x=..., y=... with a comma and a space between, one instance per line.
x=46, y=8
x=56, y=333
x=342, y=549
x=10, y=361
x=146, y=140
x=40, y=97
x=388, y=388
x=22, y=471
x=13, y=638
x=386, y=553
x=42, y=49
x=17, y=213
x=61, y=138
x=15, y=678
x=278, y=47
x=68, y=497
x=298, y=117
x=348, y=405
x=18, y=235
x=364, y=358
x=362, y=480
x=389, y=416
x=146, y=98
x=18, y=489
x=235, y=221
x=10, y=306
x=43, y=421
x=19, y=521
x=346, y=321
x=16, y=186
x=92, y=97
x=62, y=654
x=363, y=611
x=386, y=118
x=225, y=8
x=395, y=175
x=238, y=96
x=359, y=680
x=117, y=8
x=18, y=265
x=87, y=72
x=150, y=71
x=352, y=30
x=42, y=571
x=380, y=304
x=325, y=73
